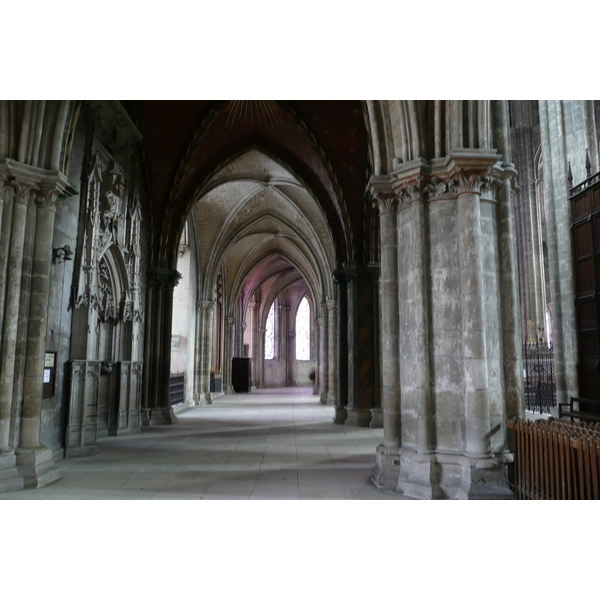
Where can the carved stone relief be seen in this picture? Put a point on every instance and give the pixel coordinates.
(112, 220)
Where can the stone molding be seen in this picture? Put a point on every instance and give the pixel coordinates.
(50, 186)
(159, 277)
(461, 172)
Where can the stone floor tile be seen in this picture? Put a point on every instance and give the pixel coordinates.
(270, 444)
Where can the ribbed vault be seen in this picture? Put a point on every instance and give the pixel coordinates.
(255, 219)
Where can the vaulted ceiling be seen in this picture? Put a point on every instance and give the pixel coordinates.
(323, 143)
(254, 221)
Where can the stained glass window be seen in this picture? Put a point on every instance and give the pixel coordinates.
(303, 331)
(270, 334)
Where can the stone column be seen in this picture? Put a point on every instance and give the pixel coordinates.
(318, 329)
(243, 328)
(35, 461)
(361, 358)
(261, 357)
(477, 433)
(148, 384)
(324, 353)
(557, 139)
(13, 254)
(291, 357)
(377, 410)
(387, 468)
(450, 353)
(338, 351)
(6, 205)
(208, 328)
(509, 292)
(229, 354)
(161, 283)
(204, 321)
(255, 353)
(199, 354)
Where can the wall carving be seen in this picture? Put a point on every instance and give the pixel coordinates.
(112, 224)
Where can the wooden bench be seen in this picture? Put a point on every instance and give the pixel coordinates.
(569, 410)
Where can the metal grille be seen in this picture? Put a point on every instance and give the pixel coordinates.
(538, 373)
(176, 388)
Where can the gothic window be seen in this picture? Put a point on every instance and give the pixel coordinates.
(270, 334)
(303, 331)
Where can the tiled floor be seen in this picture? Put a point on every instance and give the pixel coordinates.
(270, 444)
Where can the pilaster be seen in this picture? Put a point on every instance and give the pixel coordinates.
(33, 194)
(387, 467)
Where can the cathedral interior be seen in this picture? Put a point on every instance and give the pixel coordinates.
(313, 300)
(390, 258)
(320, 300)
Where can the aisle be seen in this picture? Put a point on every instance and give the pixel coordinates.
(270, 444)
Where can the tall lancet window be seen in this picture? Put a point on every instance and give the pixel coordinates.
(303, 331)
(270, 334)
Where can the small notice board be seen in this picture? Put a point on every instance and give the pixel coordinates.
(49, 374)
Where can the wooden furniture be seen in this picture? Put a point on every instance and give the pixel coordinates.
(585, 409)
(556, 460)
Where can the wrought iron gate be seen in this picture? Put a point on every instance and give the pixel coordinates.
(538, 372)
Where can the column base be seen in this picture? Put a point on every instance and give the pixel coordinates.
(486, 479)
(376, 418)
(387, 467)
(80, 451)
(330, 399)
(420, 476)
(10, 478)
(36, 466)
(114, 432)
(203, 399)
(158, 416)
(359, 417)
(455, 477)
(340, 416)
(323, 398)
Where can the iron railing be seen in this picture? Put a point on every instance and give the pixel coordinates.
(539, 379)
(176, 388)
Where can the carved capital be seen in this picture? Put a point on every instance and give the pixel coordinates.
(385, 199)
(205, 306)
(7, 191)
(386, 203)
(157, 276)
(25, 193)
(47, 198)
(410, 191)
(440, 187)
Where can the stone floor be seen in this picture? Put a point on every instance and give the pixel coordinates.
(270, 444)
